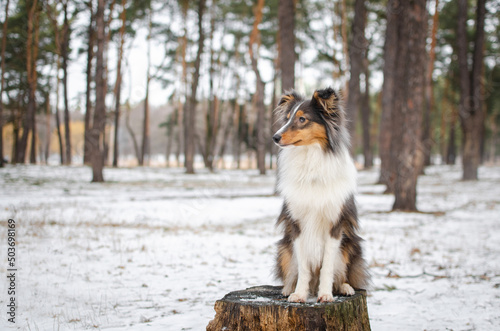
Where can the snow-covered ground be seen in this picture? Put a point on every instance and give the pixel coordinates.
(153, 248)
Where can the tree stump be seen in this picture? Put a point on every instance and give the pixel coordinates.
(265, 308)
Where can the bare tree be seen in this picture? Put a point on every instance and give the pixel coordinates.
(429, 95)
(212, 115)
(146, 150)
(390, 52)
(357, 49)
(97, 132)
(88, 102)
(2, 79)
(471, 97)
(31, 57)
(260, 87)
(118, 84)
(406, 153)
(286, 17)
(189, 113)
(366, 112)
(64, 55)
(345, 47)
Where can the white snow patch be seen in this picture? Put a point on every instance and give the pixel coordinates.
(154, 248)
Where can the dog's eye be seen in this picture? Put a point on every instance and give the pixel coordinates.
(302, 119)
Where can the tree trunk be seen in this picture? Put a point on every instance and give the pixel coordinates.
(118, 86)
(390, 52)
(2, 79)
(242, 132)
(286, 18)
(56, 115)
(451, 152)
(183, 86)
(429, 95)
(345, 47)
(259, 89)
(190, 118)
(406, 153)
(264, 308)
(48, 129)
(365, 116)
(146, 150)
(471, 109)
(15, 138)
(34, 135)
(357, 49)
(171, 119)
(88, 102)
(236, 107)
(97, 131)
(272, 148)
(212, 113)
(31, 48)
(64, 54)
(131, 132)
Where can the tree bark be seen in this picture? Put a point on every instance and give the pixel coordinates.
(211, 123)
(365, 116)
(34, 80)
(190, 118)
(183, 87)
(118, 86)
(56, 115)
(48, 129)
(471, 99)
(97, 131)
(259, 89)
(286, 18)
(451, 152)
(31, 75)
(357, 49)
(64, 54)
(345, 47)
(88, 90)
(171, 119)
(390, 52)
(406, 153)
(264, 308)
(2, 78)
(429, 95)
(131, 132)
(146, 150)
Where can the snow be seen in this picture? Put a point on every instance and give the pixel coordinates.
(153, 248)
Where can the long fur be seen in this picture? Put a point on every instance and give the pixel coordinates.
(320, 251)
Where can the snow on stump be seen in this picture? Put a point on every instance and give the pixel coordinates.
(265, 308)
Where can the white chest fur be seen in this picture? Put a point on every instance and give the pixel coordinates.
(316, 184)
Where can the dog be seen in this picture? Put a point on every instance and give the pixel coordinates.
(320, 252)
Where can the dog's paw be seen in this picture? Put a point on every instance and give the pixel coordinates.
(326, 297)
(297, 297)
(286, 291)
(346, 289)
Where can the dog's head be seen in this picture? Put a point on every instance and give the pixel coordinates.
(319, 120)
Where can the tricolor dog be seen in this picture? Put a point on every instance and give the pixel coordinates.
(320, 253)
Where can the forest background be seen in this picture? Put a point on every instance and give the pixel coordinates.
(193, 83)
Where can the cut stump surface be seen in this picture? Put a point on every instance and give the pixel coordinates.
(265, 308)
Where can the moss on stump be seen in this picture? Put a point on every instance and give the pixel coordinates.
(264, 308)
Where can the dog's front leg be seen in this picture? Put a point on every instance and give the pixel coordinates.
(332, 262)
(302, 289)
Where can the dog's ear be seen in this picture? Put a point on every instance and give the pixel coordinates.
(289, 96)
(327, 100)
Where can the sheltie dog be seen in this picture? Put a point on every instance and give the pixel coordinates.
(320, 253)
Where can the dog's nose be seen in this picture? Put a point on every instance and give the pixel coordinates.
(277, 138)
